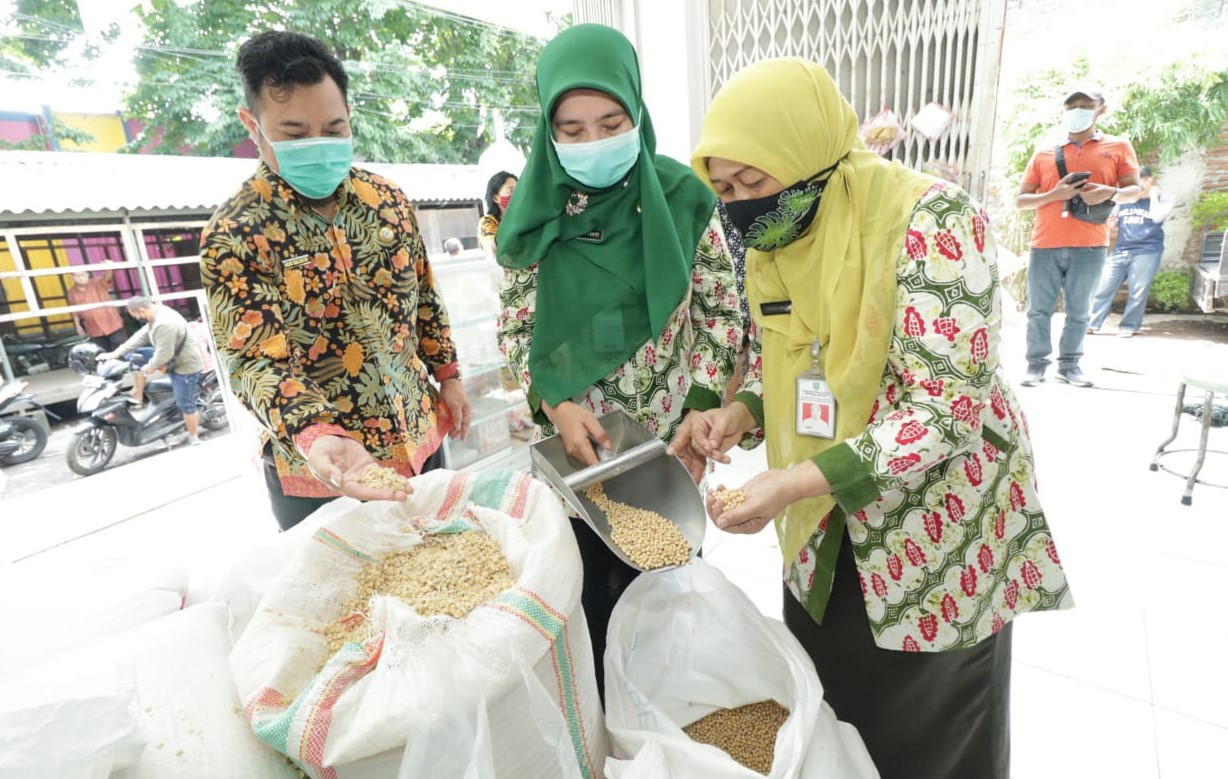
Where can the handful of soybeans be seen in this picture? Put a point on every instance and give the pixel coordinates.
(730, 499)
(381, 478)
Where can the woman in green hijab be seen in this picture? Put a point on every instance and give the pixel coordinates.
(619, 291)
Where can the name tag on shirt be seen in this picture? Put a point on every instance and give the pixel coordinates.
(776, 308)
(816, 406)
(593, 236)
(296, 262)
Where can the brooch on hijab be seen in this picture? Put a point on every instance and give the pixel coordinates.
(577, 203)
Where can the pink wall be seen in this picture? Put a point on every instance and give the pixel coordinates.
(17, 127)
(246, 149)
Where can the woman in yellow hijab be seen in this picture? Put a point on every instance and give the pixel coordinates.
(901, 477)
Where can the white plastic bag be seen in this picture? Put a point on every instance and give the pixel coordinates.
(687, 642)
(650, 763)
(357, 715)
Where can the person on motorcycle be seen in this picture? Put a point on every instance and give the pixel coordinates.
(103, 324)
(175, 352)
(321, 297)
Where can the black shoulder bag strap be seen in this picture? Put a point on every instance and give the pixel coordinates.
(1059, 156)
(170, 364)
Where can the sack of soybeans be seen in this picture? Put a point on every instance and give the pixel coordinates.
(726, 693)
(391, 618)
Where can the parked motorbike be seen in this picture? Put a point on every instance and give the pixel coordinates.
(30, 356)
(112, 420)
(22, 438)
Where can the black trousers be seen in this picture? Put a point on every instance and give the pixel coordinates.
(289, 510)
(923, 715)
(605, 579)
(111, 341)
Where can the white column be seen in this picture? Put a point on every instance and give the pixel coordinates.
(671, 38)
(672, 41)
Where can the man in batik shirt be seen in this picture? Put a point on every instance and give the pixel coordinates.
(321, 299)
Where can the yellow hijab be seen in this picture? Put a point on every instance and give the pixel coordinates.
(787, 118)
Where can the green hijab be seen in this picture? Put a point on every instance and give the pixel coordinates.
(614, 265)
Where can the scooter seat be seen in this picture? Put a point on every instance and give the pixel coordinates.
(159, 386)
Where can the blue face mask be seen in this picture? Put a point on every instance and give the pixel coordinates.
(315, 167)
(600, 164)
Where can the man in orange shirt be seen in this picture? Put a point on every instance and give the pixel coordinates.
(103, 324)
(1068, 252)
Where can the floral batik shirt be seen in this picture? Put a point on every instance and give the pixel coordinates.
(938, 493)
(329, 328)
(686, 366)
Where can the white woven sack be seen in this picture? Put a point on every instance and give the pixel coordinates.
(355, 716)
(171, 711)
(78, 605)
(687, 642)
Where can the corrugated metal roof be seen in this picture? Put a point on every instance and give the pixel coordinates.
(33, 182)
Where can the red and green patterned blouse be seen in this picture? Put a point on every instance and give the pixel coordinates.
(329, 327)
(938, 493)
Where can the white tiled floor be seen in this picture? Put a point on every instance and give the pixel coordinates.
(1062, 728)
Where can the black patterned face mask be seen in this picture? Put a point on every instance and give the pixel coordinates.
(772, 222)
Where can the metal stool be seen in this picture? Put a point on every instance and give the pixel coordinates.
(1211, 388)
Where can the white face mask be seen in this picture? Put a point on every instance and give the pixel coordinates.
(1079, 119)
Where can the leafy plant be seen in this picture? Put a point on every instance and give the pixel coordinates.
(1207, 206)
(1171, 110)
(1170, 289)
(1164, 113)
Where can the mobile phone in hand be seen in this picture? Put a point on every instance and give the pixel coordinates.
(1078, 178)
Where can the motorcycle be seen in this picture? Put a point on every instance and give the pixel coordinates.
(22, 439)
(112, 420)
(40, 356)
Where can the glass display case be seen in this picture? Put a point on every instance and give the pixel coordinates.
(501, 423)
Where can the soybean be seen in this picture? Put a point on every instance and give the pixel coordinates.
(730, 499)
(447, 574)
(381, 478)
(648, 539)
(747, 734)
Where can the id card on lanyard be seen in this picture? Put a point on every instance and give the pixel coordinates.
(816, 405)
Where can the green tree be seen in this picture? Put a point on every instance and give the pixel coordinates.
(37, 33)
(423, 84)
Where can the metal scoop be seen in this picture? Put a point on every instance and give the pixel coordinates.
(635, 470)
